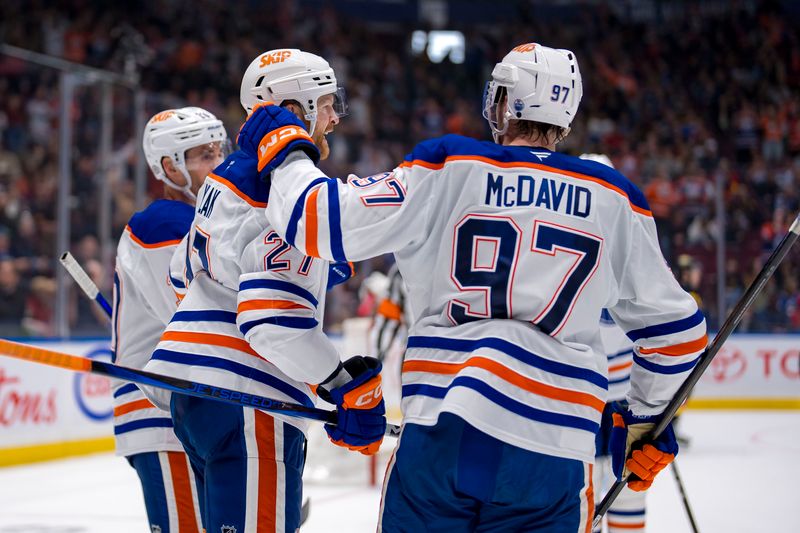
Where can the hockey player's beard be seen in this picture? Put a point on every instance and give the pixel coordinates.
(322, 143)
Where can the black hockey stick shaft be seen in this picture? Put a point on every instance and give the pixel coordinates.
(684, 498)
(733, 320)
(182, 386)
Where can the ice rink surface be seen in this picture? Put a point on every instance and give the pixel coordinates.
(740, 470)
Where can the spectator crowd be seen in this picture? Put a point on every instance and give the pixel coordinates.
(681, 104)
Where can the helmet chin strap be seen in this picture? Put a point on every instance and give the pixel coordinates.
(312, 121)
(185, 189)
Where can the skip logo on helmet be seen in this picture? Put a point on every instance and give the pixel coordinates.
(279, 56)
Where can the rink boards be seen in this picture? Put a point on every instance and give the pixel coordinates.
(47, 412)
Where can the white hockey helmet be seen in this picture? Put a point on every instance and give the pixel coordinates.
(291, 74)
(173, 131)
(598, 158)
(542, 84)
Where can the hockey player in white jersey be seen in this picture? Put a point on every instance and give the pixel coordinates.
(627, 513)
(244, 283)
(509, 250)
(181, 147)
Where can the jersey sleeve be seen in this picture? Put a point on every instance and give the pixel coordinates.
(178, 278)
(328, 218)
(280, 308)
(666, 326)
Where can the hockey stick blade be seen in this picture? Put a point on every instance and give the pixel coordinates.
(83, 280)
(725, 331)
(75, 363)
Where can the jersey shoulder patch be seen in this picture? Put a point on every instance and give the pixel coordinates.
(161, 222)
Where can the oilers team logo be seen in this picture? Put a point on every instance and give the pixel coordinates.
(519, 105)
(92, 392)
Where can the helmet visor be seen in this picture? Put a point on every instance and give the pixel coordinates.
(207, 156)
(340, 102)
(493, 94)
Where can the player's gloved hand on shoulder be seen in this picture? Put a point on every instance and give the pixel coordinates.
(271, 133)
(629, 453)
(339, 272)
(355, 388)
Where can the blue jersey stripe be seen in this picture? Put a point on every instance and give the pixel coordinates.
(667, 328)
(508, 348)
(177, 283)
(245, 371)
(125, 389)
(298, 210)
(143, 424)
(623, 353)
(205, 316)
(279, 285)
(635, 512)
(335, 221)
(620, 380)
(503, 401)
(295, 322)
(664, 369)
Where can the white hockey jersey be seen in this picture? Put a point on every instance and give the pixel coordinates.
(248, 294)
(619, 352)
(143, 304)
(538, 242)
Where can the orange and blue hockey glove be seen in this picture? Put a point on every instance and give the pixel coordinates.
(355, 389)
(644, 459)
(270, 134)
(339, 272)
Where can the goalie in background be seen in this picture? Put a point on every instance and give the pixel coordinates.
(181, 147)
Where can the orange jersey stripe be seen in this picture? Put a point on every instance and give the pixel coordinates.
(130, 407)
(509, 375)
(537, 166)
(143, 244)
(213, 339)
(621, 366)
(312, 227)
(679, 349)
(235, 190)
(181, 487)
(622, 525)
(267, 473)
(252, 305)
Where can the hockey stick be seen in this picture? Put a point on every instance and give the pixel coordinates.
(84, 281)
(91, 290)
(725, 331)
(684, 498)
(182, 386)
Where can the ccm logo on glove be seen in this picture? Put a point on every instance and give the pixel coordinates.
(369, 399)
(271, 144)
